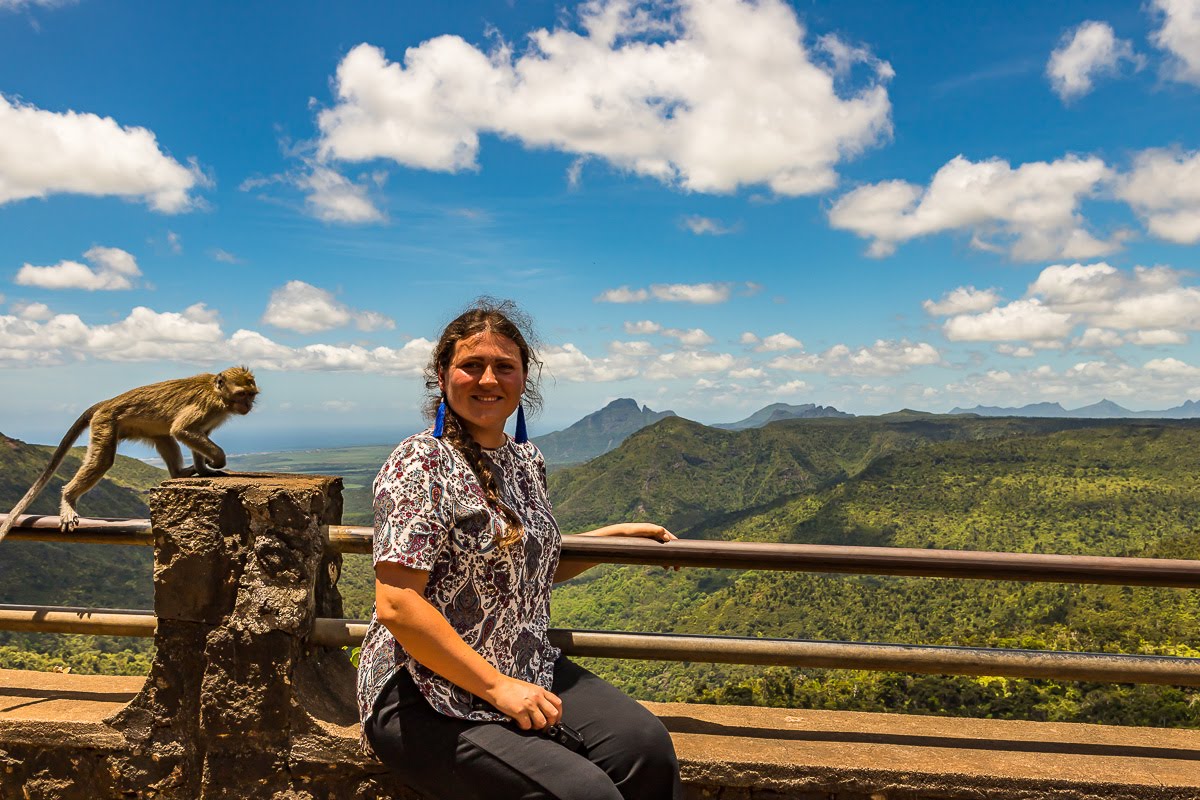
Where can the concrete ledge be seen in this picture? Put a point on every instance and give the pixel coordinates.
(727, 752)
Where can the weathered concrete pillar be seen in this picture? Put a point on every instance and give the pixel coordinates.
(240, 573)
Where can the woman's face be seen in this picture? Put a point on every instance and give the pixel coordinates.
(483, 384)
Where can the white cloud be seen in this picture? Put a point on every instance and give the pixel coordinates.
(709, 95)
(689, 363)
(37, 312)
(17, 5)
(1151, 304)
(705, 225)
(642, 327)
(698, 293)
(45, 152)
(1019, 320)
(1091, 50)
(112, 269)
(1158, 336)
(1179, 35)
(748, 338)
(224, 256)
(1164, 189)
(623, 294)
(192, 336)
(1099, 339)
(174, 242)
(569, 363)
(1016, 351)
(304, 308)
(1031, 211)
(777, 342)
(637, 349)
(694, 337)
(792, 387)
(963, 300)
(882, 358)
(333, 197)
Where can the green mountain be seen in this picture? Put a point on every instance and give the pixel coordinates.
(73, 574)
(691, 477)
(598, 432)
(1105, 489)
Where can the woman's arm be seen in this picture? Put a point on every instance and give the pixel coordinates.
(644, 530)
(425, 634)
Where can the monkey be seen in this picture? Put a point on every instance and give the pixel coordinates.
(185, 409)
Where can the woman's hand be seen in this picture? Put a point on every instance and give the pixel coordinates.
(529, 705)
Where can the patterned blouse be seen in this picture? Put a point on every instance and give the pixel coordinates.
(431, 515)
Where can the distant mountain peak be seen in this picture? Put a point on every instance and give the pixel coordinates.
(598, 432)
(781, 411)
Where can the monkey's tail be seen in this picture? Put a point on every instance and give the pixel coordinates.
(56, 460)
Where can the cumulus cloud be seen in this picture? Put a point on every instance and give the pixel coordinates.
(1032, 211)
(1163, 187)
(1083, 382)
(193, 336)
(1179, 35)
(705, 226)
(642, 327)
(38, 312)
(884, 357)
(963, 300)
(695, 337)
(112, 269)
(689, 363)
(774, 343)
(1091, 50)
(1019, 320)
(699, 293)
(1145, 306)
(224, 256)
(567, 362)
(304, 308)
(661, 89)
(45, 152)
(333, 197)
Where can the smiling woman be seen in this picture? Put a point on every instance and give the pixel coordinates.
(460, 690)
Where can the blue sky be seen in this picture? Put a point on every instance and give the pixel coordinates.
(707, 205)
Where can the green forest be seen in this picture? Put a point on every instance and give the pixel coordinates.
(1094, 487)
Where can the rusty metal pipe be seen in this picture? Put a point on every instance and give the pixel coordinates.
(44, 528)
(1101, 667)
(1176, 573)
(62, 619)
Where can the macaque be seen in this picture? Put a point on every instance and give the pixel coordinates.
(187, 410)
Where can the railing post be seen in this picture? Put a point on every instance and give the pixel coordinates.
(240, 572)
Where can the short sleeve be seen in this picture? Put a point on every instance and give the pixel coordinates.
(413, 504)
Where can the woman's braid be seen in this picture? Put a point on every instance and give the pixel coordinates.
(479, 462)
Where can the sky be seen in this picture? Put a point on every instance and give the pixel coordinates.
(705, 205)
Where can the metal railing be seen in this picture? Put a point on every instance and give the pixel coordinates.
(1102, 667)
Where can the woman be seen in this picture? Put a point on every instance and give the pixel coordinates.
(458, 684)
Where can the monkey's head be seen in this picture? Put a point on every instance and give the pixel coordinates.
(237, 389)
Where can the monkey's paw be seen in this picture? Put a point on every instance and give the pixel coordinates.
(68, 520)
(209, 472)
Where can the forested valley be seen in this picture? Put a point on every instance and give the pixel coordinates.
(1094, 487)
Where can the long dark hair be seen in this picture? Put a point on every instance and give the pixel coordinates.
(501, 317)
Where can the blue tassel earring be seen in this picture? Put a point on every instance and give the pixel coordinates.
(522, 435)
(439, 424)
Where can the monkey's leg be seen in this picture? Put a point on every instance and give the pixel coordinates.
(168, 450)
(101, 453)
(203, 469)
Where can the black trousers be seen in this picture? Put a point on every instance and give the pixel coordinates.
(627, 752)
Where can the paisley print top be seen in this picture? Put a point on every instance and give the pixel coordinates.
(430, 514)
